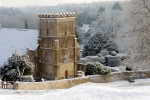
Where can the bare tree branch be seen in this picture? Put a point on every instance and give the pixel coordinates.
(144, 2)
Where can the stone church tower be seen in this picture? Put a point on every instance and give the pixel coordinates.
(57, 51)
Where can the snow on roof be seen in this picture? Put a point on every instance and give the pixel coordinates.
(16, 39)
(85, 28)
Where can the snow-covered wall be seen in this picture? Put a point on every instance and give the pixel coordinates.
(16, 39)
(68, 83)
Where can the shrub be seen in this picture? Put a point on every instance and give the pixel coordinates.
(96, 68)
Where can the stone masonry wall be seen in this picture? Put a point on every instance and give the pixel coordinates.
(68, 83)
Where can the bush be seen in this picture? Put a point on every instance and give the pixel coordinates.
(15, 67)
(97, 43)
(96, 68)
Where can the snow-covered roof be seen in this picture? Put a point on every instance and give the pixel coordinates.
(16, 39)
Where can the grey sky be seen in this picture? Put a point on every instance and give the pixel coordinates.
(18, 3)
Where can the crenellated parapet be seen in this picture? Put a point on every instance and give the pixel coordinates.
(57, 15)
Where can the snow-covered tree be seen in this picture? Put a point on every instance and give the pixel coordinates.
(117, 6)
(138, 34)
(100, 11)
(97, 43)
(15, 67)
(108, 22)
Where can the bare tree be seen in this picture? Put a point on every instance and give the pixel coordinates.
(138, 32)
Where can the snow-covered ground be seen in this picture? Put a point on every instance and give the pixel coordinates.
(16, 39)
(121, 90)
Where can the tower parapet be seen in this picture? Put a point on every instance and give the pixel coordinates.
(57, 15)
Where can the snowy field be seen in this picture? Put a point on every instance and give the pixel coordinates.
(121, 90)
(16, 39)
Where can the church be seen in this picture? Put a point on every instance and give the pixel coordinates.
(56, 55)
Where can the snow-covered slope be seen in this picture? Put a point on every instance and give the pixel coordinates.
(16, 39)
(121, 90)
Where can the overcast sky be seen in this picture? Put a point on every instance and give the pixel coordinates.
(18, 3)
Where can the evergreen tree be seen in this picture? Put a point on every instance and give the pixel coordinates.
(97, 43)
(117, 6)
(25, 25)
(101, 10)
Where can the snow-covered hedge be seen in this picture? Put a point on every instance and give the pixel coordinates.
(93, 68)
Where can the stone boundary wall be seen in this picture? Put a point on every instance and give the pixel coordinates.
(68, 83)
